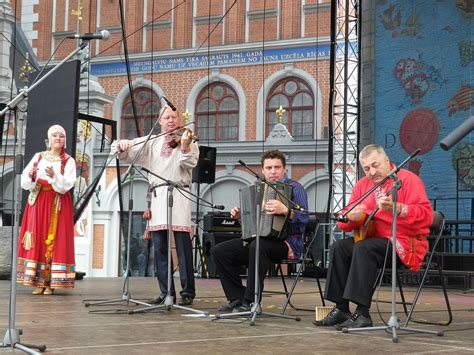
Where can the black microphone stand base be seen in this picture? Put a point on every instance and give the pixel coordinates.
(12, 339)
(169, 300)
(126, 298)
(167, 305)
(255, 311)
(393, 327)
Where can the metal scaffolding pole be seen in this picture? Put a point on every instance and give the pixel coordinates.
(344, 99)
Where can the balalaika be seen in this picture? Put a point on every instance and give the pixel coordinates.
(271, 226)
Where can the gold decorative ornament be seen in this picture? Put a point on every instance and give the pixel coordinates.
(280, 112)
(26, 69)
(77, 13)
(86, 128)
(186, 116)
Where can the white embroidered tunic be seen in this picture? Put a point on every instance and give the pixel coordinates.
(61, 183)
(171, 164)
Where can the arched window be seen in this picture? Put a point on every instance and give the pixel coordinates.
(217, 113)
(297, 98)
(147, 105)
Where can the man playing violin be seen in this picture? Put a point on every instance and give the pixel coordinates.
(173, 159)
(353, 266)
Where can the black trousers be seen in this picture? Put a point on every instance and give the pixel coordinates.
(184, 249)
(231, 255)
(353, 269)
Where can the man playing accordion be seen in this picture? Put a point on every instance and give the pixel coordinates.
(231, 255)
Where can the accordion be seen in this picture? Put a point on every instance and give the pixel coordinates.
(270, 225)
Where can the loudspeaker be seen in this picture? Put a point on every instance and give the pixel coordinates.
(205, 170)
(209, 240)
(53, 101)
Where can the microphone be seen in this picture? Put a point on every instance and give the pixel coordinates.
(218, 207)
(168, 102)
(253, 172)
(104, 34)
(339, 219)
(459, 133)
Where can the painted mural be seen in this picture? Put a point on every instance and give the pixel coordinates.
(424, 90)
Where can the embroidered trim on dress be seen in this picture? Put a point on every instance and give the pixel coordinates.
(50, 157)
(403, 210)
(175, 228)
(166, 150)
(37, 274)
(400, 251)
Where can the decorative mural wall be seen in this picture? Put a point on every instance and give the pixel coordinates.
(424, 55)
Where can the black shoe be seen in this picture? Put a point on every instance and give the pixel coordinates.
(229, 307)
(357, 320)
(185, 301)
(160, 300)
(244, 307)
(334, 317)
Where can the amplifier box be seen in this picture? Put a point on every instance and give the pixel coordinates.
(209, 240)
(220, 222)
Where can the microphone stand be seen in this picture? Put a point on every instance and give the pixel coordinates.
(12, 336)
(256, 309)
(393, 324)
(169, 302)
(24, 93)
(126, 297)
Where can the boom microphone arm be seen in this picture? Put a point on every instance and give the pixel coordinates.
(457, 134)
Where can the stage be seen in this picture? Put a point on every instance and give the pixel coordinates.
(66, 326)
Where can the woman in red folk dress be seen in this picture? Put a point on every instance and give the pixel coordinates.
(46, 240)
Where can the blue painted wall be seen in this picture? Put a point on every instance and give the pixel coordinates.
(424, 90)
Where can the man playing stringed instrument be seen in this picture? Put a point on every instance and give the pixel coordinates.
(353, 265)
(174, 161)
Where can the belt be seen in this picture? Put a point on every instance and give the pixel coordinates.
(152, 188)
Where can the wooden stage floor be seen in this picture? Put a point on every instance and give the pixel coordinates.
(66, 326)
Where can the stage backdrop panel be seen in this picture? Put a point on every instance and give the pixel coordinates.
(54, 101)
(424, 89)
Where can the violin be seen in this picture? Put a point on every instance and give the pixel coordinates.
(177, 136)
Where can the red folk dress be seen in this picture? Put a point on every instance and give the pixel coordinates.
(46, 240)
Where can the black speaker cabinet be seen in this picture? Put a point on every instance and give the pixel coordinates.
(209, 240)
(205, 170)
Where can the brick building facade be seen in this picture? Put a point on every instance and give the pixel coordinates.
(263, 58)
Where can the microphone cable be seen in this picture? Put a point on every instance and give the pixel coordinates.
(127, 67)
(382, 272)
(48, 61)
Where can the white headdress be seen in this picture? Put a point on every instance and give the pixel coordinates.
(55, 129)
